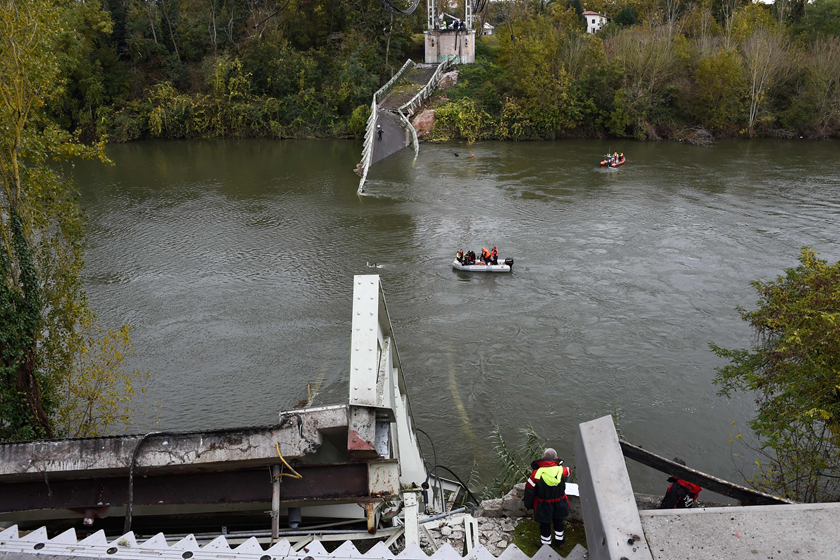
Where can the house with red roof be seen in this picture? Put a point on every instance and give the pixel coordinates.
(594, 21)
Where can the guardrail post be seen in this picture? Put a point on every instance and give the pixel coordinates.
(412, 523)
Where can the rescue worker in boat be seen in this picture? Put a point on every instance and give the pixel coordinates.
(471, 257)
(494, 255)
(545, 493)
(460, 256)
(680, 494)
(485, 255)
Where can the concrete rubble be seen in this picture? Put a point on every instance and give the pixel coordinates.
(448, 79)
(497, 519)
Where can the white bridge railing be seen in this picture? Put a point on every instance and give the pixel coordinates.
(407, 109)
(370, 128)
(404, 111)
(426, 92)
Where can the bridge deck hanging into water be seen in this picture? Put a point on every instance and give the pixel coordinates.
(393, 104)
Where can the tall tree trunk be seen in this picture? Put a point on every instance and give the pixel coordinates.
(388, 44)
(211, 25)
(171, 32)
(151, 19)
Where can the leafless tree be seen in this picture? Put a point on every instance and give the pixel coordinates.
(672, 11)
(705, 28)
(825, 69)
(783, 9)
(727, 9)
(211, 25)
(646, 56)
(765, 61)
(574, 55)
(149, 6)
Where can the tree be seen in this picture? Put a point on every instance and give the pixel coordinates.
(647, 59)
(627, 16)
(822, 17)
(702, 27)
(45, 323)
(794, 370)
(28, 66)
(718, 95)
(765, 58)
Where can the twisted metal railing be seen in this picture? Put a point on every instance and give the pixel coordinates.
(415, 142)
(403, 111)
(426, 91)
(370, 128)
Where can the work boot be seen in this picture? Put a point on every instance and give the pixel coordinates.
(559, 538)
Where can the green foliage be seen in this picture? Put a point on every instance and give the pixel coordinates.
(254, 68)
(296, 69)
(720, 92)
(822, 18)
(514, 464)
(794, 370)
(626, 16)
(358, 120)
(814, 106)
(97, 393)
(721, 68)
(478, 81)
(461, 119)
(43, 310)
(620, 120)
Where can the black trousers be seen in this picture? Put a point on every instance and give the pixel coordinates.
(545, 531)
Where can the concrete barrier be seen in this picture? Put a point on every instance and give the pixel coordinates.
(613, 527)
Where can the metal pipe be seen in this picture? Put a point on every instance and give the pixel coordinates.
(442, 515)
(275, 501)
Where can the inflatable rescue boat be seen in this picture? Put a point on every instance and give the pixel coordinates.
(479, 266)
(614, 163)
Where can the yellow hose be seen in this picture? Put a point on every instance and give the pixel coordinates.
(295, 475)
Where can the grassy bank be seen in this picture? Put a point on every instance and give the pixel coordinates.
(526, 537)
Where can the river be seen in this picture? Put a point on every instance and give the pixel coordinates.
(233, 262)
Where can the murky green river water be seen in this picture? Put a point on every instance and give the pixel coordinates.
(233, 262)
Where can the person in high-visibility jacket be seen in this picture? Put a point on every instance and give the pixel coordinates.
(485, 255)
(545, 493)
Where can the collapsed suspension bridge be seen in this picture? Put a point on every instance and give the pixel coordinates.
(393, 104)
(445, 44)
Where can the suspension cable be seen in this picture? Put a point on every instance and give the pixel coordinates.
(407, 11)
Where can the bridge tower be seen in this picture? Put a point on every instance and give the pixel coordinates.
(447, 35)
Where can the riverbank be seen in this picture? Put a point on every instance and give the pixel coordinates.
(134, 74)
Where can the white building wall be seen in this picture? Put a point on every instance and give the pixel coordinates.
(594, 23)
